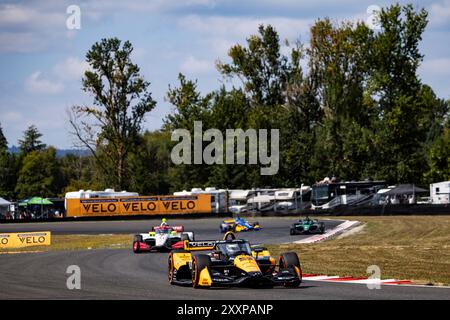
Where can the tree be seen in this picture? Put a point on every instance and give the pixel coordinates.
(121, 100)
(31, 141)
(79, 172)
(9, 166)
(190, 106)
(404, 104)
(260, 66)
(439, 159)
(338, 64)
(150, 163)
(39, 174)
(3, 141)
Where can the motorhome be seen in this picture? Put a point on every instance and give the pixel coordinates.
(219, 201)
(440, 192)
(238, 199)
(329, 195)
(293, 199)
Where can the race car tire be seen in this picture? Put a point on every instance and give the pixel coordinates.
(136, 243)
(322, 228)
(171, 269)
(292, 232)
(290, 260)
(199, 262)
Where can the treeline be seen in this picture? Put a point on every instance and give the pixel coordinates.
(348, 103)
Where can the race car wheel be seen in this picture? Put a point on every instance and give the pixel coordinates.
(171, 269)
(322, 228)
(292, 232)
(136, 243)
(289, 260)
(199, 262)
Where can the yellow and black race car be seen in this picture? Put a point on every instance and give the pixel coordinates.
(232, 262)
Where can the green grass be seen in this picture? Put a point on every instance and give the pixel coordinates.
(80, 242)
(404, 247)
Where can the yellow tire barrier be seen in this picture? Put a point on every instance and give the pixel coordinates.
(25, 239)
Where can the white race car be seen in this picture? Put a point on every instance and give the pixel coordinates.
(161, 238)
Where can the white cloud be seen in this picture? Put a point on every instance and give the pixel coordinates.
(440, 12)
(24, 28)
(231, 27)
(71, 68)
(194, 66)
(36, 84)
(28, 17)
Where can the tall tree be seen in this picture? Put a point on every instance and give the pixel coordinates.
(39, 174)
(110, 127)
(190, 106)
(3, 141)
(403, 102)
(8, 169)
(31, 140)
(260, 66)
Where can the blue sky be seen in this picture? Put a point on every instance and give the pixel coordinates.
(42, 62)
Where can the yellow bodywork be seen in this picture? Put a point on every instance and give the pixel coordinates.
(262, 254)
(204, 278)
(246, 263)
(181, 259)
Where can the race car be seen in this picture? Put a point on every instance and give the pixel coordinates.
(161, 238)
(238, 225)
(307, 226)
(232, 262)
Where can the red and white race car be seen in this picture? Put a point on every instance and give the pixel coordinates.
(161, 238)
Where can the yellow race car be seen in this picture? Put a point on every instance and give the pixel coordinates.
(232, 262)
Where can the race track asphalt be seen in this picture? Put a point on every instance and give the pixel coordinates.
(274, 230)
(120, 274)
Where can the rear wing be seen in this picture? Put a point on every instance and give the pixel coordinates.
(199, 245)
(174, 228)
(206, 245)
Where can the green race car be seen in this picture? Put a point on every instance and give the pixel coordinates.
(307, 226)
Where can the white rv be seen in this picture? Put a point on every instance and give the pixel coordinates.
(440, 192)
(218, 197)
(237, 200)
(290, 199)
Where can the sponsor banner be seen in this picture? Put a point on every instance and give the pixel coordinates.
(144, 205)
(25, 239)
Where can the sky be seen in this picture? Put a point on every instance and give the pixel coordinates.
(42, 60)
